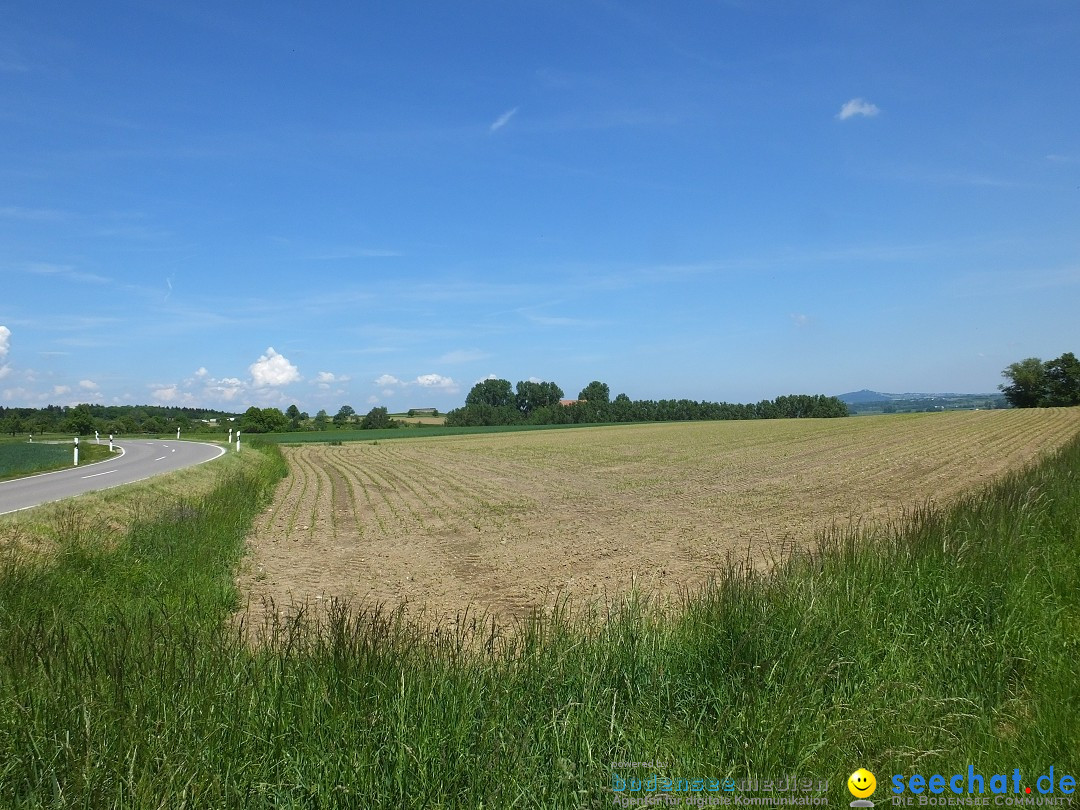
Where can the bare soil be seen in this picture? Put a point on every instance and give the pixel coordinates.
(505, 523)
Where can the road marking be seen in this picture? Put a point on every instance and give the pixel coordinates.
(95, 475)
(160, 459)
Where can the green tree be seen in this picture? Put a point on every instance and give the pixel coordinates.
(1028, 386)
(80, 421)
(322, 419)
(344, 416)
(295, 417)
(1062, 380)
(596, 393)
(376, 419)
(495, 393)
(532, 395)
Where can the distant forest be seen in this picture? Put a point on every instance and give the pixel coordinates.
(495, 402)
(83, 420)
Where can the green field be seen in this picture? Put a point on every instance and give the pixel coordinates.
(413, 432)
(22, 458)
(944, 642)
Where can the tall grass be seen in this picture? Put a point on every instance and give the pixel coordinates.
(947, 641)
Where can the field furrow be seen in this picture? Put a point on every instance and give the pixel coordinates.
(508, 522)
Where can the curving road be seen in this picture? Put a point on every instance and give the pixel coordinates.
(141, 458)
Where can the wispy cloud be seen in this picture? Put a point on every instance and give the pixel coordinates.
(858, 106)
(356, 253)
(65, 271)
(504, 119)
(31, 214)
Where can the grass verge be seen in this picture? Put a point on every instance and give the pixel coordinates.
(945, 642)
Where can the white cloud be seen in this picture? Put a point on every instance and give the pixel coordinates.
(503, 119)
(227, 389)
(88, 385)
(273, 369)
(800, 320)
(202, 372)
(857, 106)
(373, 400)
(438, 381)
(61, 389)
(388, 379)
(324, 379)
(167, 393)
(5, 347)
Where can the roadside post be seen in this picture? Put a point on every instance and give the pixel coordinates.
(76, 451)
(97, 438)
(238, 441)
(178, 433)
(110, 443)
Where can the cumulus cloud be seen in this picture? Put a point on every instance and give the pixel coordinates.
(166, 393)
(503, 119)
(324, 379)
(61, 389)
(5, 347)
(88, 385)
(226, 389)
(446, 384)
(857, 106)
(272, 370)
(388, 379)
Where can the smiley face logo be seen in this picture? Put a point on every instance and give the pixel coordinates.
(861, 783)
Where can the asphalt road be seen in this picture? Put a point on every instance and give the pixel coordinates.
(142, 458)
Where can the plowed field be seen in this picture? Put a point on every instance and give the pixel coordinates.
(507, 522)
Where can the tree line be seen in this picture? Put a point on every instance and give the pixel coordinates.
(497, 402)
(1037, 384)
(84, 419)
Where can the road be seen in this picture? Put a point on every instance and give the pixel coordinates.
(141, 458)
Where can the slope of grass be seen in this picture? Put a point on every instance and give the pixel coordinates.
(948, 641)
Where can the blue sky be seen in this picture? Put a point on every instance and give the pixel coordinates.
(227, 204)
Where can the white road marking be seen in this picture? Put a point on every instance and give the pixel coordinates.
(95, 475)
(160, 459)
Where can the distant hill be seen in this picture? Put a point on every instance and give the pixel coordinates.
(867, 401)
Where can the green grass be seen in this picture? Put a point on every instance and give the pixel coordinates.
(410, 432)
(25, 458)
(948, 641)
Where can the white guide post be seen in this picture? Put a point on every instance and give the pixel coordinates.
(97, 438)
(230, 435)
(76, 451)
(178, 433)
(237, 441)
(110, 443)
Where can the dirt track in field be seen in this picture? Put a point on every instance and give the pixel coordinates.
(508, 522)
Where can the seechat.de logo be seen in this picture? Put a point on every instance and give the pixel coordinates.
(1003, 787)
